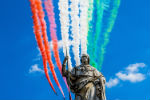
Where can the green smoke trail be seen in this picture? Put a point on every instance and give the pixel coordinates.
(99, 12)
(90, 29)
(111, 20)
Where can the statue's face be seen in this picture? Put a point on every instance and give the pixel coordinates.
(84, 60)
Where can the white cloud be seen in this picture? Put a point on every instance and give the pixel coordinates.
(112, 82)
(131, 74)
(135, 67)
(35, 68)
(132, 77)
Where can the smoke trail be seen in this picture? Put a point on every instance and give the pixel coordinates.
(75, 29)
(90, 30)
(64, 19)
(111, 20)
(51, 16)
(39, 41)
(45, 38)
(99, 12)
(84, 4)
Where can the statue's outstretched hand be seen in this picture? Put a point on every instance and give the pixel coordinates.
(64, 71)
(66, 59)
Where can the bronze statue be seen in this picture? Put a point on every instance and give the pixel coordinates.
(84, 80)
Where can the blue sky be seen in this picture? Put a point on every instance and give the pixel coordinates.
(129, 44)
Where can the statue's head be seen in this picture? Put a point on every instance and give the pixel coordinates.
(85, 59)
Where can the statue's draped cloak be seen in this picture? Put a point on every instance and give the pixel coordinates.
(87, 83)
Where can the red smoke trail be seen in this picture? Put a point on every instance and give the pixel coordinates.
(45, 38)
(51, 17)
(39, 40)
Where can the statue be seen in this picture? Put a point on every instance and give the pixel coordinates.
(84, 80)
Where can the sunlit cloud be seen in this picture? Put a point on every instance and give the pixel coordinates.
(35, 68)
(135, 67)
(132, 77)
(131, 73)
(112, 82)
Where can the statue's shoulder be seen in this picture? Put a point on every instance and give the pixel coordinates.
(78, 68)
(91, 68)
(74, 69)
(96, 72)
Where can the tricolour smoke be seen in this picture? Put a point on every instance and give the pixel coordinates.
(75, 29)
(64, 20)
(45, 38)
(39, 40)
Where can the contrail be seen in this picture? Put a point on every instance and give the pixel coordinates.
(64, 20)
(75, 29)
(45, 38)
(39, 40)
(113, 11)
(84, 4)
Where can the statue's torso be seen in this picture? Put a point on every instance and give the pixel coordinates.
(82, 75)
(82, 81)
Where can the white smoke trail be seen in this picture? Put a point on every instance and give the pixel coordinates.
(75, 29)
(84, 5)
(64, 20)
